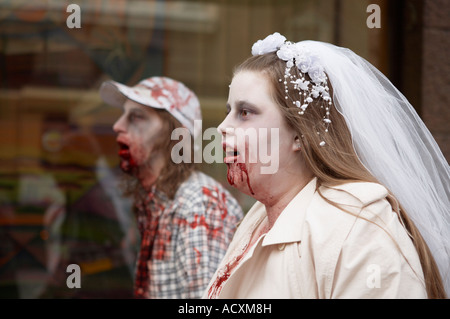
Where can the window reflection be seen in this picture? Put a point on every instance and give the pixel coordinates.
(60, 202)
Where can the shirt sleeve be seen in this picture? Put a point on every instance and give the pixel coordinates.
(210, 221)
(378, 259)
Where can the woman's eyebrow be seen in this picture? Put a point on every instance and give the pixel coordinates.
(242, 104)
(246, 104)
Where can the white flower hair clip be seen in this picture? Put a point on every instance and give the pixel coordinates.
(271, 43)
(296, 54)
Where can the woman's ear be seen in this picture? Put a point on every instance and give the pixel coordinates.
(296, 146)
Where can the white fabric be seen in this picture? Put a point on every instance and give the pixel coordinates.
(315, 250)
(394, 144)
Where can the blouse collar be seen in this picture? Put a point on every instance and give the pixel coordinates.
(287, 227)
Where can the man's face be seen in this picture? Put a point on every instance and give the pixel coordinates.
(138, 132)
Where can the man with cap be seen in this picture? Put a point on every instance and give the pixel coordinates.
(186, 219)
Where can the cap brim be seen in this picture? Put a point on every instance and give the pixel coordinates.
(115, 94)
(111, 94)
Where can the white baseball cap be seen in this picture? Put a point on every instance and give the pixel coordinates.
(159, 93)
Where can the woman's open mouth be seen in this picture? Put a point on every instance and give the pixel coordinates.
(231, 154)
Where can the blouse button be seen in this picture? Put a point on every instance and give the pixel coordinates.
(281, 246)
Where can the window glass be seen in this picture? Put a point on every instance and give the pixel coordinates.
(60, 198)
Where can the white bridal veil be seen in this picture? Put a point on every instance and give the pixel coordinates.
(394, 144)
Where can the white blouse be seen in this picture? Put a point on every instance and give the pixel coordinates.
(316, 250)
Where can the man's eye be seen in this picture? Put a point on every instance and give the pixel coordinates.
(133, 117)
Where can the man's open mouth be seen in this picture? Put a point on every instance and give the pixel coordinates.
(124, 150)
(127, 163)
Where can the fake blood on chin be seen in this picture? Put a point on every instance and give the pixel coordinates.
(236, 167)
(238, 170)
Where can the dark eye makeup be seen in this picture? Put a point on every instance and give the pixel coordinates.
(243, 109)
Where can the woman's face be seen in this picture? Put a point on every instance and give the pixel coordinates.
(137, 135)
(254, 128)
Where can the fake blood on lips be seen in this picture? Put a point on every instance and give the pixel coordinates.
(127, 161)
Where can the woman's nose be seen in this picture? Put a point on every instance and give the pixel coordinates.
(225, 126)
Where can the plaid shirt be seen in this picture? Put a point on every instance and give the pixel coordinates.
(183, 240)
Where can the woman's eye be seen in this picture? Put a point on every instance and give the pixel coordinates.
(241, 113)
(244, 113)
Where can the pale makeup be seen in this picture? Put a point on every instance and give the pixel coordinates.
(251, 105)
(138, 130)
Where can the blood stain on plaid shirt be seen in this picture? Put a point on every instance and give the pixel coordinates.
(183, 240)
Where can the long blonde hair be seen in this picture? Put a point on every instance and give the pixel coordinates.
(337, 163)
